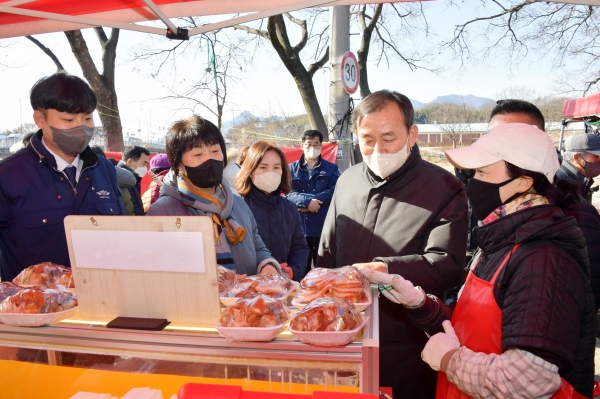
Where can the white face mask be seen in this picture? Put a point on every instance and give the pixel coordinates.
(267, 182)
(140, 170)
(312, 153)
(384, 165)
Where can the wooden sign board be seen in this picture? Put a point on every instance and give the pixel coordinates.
(151, 266)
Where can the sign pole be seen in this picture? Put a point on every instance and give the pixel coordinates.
(339, 27)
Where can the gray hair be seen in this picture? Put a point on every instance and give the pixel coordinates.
(569, 156)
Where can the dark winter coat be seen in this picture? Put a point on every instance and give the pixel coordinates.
(416, 222)
(280, 228)
(134, 192)
(543, 291)
(568, 172)
(35, 198)
(318, 184)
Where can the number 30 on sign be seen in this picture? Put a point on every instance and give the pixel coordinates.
(350, 74)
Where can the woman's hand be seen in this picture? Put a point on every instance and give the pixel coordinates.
(440, 345)
(287, 269)
(269, 270)
(377, 266)
(395, 288)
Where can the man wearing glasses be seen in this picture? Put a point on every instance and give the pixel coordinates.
(313, 182)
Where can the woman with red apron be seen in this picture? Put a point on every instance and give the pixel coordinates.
(523, 326)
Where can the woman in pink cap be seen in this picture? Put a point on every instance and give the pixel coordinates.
(159, 167)
(524, 324)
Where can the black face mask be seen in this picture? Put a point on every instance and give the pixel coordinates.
(485, 197)
(207, 174)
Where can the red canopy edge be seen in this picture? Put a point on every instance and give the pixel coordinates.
(578, 108)
(28, 17)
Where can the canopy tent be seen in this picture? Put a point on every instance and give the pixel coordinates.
(584, 109)
(29, 17)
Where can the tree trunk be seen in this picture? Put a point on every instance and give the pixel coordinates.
(291, 59)
(102, 84)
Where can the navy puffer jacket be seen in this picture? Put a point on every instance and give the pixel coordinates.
(280, 228)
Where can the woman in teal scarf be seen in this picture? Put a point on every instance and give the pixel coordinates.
(195, 186)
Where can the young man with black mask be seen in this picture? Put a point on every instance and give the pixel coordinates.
(56, 175)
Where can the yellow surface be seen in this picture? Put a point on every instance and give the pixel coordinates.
(33, 381)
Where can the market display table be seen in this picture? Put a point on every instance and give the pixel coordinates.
(80, 354)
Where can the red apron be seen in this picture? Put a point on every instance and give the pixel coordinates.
(477, 320)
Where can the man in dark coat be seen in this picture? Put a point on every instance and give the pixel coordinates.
(313, 183)
(56, 175)
(135, 160)
(396, 212)
(581, 162)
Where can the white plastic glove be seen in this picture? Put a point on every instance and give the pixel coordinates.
(395, 288)
(440, 344)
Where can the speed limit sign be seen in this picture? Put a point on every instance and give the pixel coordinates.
(350, 74)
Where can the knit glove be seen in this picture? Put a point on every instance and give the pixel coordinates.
(395, 288)
(440, 344)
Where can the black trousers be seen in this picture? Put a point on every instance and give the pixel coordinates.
(313, 246)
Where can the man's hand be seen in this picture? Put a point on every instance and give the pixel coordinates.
(287, 269)
(314, 205)
(375, 266)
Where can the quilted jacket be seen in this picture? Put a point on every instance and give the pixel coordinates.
(544, 291)
(280, 228)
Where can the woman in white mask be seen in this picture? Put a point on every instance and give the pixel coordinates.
(263, 179)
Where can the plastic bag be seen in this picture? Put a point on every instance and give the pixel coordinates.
(345, 283)
(225, 277)
(8, 289)
(39, 300)
(45, 273)
(327, 314)
(272, 285)
(255, 311)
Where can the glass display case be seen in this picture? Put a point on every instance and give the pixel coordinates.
(80, 354)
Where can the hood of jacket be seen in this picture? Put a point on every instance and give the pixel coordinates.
(544, 222)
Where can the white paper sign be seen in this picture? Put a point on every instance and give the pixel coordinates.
(139, 250)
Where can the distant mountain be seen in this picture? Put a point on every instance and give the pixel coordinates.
(240, 119)
(417, 104)
(469, 100)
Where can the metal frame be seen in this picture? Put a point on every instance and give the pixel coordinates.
(11, 7)
(201, 347)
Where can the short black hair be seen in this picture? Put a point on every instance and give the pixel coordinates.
(113, 161)
(134, 153)
(512, 106)
(64, 93)
(311, 134)
(378, 100)
(186, 134)
(98, 150)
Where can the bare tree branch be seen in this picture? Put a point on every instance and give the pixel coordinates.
(312, 68)
(49, 53)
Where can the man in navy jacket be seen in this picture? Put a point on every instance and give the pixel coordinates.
(56, 175)
(313, 183)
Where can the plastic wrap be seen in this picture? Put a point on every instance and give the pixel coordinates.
(39, 300)
(255, 311)
(344, 283)
(226, 278)
(46, 273)
(327, 314)
(8, 289)
(272, 285)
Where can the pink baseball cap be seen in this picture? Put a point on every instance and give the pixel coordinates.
(523, 145)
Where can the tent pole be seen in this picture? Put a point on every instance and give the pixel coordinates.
(154, 8)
